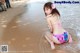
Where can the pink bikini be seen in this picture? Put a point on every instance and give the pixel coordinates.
(62, 37)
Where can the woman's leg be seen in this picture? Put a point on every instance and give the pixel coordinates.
(70, 38)
(53, 38)
(51, 42)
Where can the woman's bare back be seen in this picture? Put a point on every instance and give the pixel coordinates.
(56, 25)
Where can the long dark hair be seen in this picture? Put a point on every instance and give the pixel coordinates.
(49, 5)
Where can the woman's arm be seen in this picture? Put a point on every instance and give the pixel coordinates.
(50, 26)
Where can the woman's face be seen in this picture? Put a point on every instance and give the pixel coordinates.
(48, 11)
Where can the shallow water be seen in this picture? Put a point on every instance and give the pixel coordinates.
(25, 32)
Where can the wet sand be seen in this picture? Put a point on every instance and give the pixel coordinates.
(25, 32)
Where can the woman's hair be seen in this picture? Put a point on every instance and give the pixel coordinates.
(49, 5)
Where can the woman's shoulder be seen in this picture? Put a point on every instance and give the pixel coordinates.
(48, 16)
(53, 17)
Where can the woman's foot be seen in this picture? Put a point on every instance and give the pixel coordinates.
(52, 45)
(70, 39)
